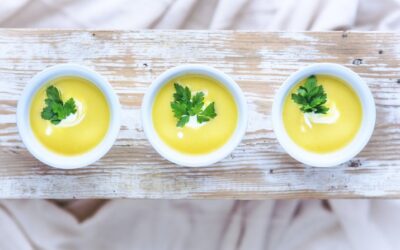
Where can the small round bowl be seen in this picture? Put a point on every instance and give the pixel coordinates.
(360, 140)
(35, 147)
(186, 159)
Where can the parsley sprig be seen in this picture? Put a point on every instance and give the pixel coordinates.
(185, 105)
(311, 97)
(56, 110)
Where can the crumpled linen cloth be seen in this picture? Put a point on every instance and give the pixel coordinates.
(186, 225)
(199, 225)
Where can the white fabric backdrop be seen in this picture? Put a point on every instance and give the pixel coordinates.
(144, 224)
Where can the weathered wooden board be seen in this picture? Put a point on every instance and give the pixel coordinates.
(258, 61)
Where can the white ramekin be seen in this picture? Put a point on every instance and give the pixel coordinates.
(186, 159)
(40, 151)
(360, 140)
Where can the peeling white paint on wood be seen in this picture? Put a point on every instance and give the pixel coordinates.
(258, 61)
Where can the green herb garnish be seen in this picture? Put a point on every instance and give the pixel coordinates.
(185, 105)
(56, 110)
(311, 97)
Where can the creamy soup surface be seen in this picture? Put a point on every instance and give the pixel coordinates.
(79, 132)
(330, 132)
(195, 138)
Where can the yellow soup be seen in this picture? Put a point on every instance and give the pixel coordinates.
(194, 139)
(329, 132)
(79, 132)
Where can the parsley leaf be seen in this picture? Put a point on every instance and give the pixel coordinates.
(183, 120)
(56, 110)
(185, 105)
(207, 114)
(197, 103)
(311, 97)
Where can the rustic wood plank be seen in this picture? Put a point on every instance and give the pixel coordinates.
(258, 61)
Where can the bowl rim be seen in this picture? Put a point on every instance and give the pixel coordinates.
(352, 148)
(173, 155)
(36, 148)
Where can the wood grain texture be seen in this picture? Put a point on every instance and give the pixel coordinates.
(259, 62)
